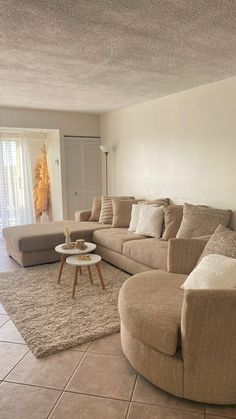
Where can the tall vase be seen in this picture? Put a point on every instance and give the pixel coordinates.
(44, 217)
(68, 241)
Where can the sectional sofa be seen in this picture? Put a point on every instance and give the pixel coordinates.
(34, 244)
(184, 342)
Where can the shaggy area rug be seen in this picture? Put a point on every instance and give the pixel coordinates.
(45, 313)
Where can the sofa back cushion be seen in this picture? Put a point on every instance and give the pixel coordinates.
(96, 208)
(161, 202)
(223, 242)
(173, 215)
(122, 209)
(199, 221)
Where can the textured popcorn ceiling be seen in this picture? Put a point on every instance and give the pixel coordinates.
(99, 55)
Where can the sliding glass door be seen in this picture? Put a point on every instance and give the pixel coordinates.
(16, 195)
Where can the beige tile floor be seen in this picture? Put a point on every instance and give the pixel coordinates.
(92, 381)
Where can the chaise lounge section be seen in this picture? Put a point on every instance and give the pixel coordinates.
(34, 244)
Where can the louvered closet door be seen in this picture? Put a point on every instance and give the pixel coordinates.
(83, 173)
(92, 170)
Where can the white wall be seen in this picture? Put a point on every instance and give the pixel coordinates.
(68, 123)
(181, 146)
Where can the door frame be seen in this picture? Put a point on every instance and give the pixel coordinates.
(64, 182)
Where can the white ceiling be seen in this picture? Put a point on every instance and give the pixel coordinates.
(99, 55)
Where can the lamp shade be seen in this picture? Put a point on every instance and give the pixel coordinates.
(104, 148)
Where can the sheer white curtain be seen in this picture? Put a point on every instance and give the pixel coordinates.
(16, 190)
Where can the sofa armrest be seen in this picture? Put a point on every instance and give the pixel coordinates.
(83, 215)
(183, 254)
(208, 341)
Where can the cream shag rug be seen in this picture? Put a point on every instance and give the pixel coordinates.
(45, 313)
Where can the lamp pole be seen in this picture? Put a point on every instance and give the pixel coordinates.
(106, 174)
(105, 150)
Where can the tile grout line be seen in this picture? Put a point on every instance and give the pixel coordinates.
(131, 397)
(9, 372)
(6, 320)
(65, 391)
(96, 395)
(74, 370)
(102, 353)
(66, 384)
(15, 343)
(32, 385)
(218, 415)
(182, 409)
(55, 404)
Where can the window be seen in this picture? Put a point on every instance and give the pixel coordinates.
(16, 201)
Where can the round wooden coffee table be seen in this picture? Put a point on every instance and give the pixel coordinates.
(77, 263)
(66, 252)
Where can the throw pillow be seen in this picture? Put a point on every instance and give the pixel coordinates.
(106, 213)
(214, 271)
(122, 211)
(96, 208)
(201, 221)
(134, 217)
(173, 215)
(223, 242)
(150, 221)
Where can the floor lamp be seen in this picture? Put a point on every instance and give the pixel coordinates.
(105, 150)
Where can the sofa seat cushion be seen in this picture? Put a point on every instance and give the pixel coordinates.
(151, 252)
(114, 238)
(34, 237)
(150, 308)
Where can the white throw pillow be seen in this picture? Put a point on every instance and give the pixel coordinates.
(150, 221)
(214, 271)
(134, 217)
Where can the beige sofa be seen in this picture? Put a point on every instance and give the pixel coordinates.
(35, 243)
(183, 342)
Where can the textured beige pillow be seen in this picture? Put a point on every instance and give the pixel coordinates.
(200, 221)
(162, 202)
(122, 211)
(96, 208)
(173, 215)
(223, 242)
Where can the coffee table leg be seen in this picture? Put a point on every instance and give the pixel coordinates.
(75, 281)
(63, 258)
(90, 274)
(100, 275)
(80, 270)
